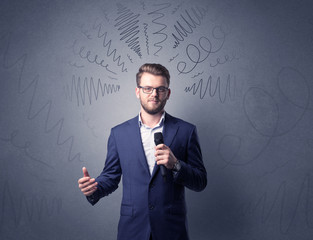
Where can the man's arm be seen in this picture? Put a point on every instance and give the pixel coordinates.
(191, 173)
(107, 182)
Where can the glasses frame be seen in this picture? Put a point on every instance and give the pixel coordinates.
(157, 89)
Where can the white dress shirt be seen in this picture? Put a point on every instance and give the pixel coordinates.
(147, 137)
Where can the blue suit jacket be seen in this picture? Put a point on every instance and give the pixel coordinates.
(150, 205)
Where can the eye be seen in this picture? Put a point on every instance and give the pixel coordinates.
(161, 89)
(147, 89)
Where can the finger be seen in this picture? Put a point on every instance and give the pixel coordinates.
(87, 183)
(90, 192)
(83, 180)
(85, 172)
(89, 188)
(160, 146)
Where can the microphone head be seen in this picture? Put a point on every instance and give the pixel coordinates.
(158, 138)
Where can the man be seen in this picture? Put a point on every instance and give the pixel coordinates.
(151, 207)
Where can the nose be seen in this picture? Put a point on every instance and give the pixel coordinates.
(154, 92)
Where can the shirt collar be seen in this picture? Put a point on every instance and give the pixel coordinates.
(161, 122)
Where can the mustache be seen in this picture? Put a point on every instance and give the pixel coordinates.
(154, 99)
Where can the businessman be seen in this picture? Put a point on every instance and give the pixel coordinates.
(153, 203)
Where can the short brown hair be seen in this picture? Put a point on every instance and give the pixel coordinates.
(155, 69)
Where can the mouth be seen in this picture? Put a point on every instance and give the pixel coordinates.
(153, 100)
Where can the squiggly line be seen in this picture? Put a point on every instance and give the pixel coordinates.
(113, 78)
(75, 65)
(88, 55)
(171, 59)
(130, 59)
(127, 22)
(195, 55)
(88, 89)
(176, 8)
(92, 128)
(35, 208)
(46, 107)
(202, 88)
(192, 23)
(147, 37)
(164, 26)
(287, 215)
(197, 75)
(105, 14)
(143, 5)
(23, 148)
(107, 44)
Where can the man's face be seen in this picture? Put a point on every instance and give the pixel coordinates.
(154, 102)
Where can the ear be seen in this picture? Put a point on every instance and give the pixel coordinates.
(169, 93)
(137, 92)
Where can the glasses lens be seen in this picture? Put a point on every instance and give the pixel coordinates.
(147, 89)
(162, 89)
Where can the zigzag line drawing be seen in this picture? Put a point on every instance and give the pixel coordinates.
(127, 22)
(20, 63)
(147, 37)
(160, 15)
(108, 45)
(87, 89)
(286, 215)
(34, 208)
(202, 88)
(192, 23)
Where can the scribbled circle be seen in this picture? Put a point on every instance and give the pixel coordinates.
(261, 111)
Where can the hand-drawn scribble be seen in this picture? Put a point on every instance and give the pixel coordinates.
(113, 78)
(142, 3)
(107, 44)
(127, 22)
(23, 208)
(26, 85)
(203, 86)
(293, 85)
(192, 22)
(295, 80)
(233, 145)
(130, 59)
(226, 59)
(171, 59)
(88, 89)
(194, 54)
(92, 128)
(159, 14)
(105, 14)
(75, 65)
(147, 37)
(25, 148)
(84, 54)
(177, 8)
(84, 31)
(200, 73)
(264, 115)
(287, 214)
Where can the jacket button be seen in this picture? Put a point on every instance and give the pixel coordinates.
(151, 207)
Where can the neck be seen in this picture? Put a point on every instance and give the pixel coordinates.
(151, 120)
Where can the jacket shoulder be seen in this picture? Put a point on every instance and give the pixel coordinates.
(179, 121)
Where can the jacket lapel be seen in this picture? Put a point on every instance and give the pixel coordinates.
(136, 143)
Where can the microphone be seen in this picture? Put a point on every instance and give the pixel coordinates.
(158, 139)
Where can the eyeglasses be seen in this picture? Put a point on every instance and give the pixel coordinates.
(149, 90)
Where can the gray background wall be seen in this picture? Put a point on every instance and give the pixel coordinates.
(241, 71)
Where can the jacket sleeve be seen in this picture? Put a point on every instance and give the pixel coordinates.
(110, 177)
(192, 173)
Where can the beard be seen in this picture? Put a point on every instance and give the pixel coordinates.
(154, 110)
